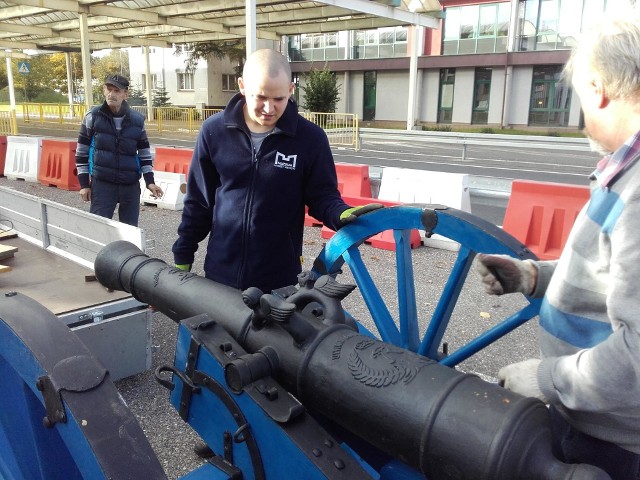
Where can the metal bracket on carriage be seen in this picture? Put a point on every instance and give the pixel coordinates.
(73, 374)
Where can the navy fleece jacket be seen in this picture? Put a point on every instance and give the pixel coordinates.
(251, 204)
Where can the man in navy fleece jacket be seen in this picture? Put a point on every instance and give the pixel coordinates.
(255, 166)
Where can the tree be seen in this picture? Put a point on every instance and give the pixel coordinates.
(321, 91)
(160, 97)
(234, 50)
(116, 61)
(58, 71)
(48, 75)
(136, 96)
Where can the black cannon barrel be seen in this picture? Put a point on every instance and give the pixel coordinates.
(446, 424)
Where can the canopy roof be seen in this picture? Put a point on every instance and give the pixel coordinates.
(55, 25)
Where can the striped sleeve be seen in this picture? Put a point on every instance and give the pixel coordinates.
(146, 158)
(82, 150)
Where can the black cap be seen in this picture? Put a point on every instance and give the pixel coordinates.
(117, 81)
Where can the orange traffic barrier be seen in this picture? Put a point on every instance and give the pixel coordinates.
(383, 240)
(174, 160)
(353, 181)
(3, 153)
(58, 164)
(541, 214)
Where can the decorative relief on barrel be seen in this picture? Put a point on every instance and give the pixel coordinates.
(379, 365)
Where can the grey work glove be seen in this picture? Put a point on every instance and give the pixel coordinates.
(522, 378)
(502, 274)
(350, 214)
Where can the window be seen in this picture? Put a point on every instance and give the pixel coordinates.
(154, 81)
(445, 102)
(318, 46)
(481, 91)
(295, 79)
(384, 42)
(185, 81)
(550, 97)
(229, 83)
(476, 29)
(555, 24)
(183, 47)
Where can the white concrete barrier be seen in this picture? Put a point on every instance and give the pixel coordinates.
(22, 161)
(425, 187)
(174, 186)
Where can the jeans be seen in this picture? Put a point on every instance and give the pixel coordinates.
(105, 196)
(573, 446)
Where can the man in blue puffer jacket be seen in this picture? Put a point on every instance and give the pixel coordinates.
(113, 151)
(255, 166)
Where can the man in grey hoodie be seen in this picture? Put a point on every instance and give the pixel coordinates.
(589, 370)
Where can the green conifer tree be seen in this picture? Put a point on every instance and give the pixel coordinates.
(321, 91)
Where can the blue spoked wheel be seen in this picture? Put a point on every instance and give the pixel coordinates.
(60, 415)
(474, 235)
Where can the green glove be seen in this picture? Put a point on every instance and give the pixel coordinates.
(350, 214)
(184, 266)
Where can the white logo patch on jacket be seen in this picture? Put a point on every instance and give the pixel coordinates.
(284, 161)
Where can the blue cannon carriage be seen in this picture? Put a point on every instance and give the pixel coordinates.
(282, 384)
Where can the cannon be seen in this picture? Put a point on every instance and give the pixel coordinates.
(286, 384)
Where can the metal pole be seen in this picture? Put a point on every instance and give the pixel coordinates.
(67, 56)
(12, 95)
(416, 40)
(250, 26)
(147, 63)
(86, 60)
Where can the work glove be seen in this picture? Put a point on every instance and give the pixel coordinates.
(522, 378)
(186, 267)
(350, 214)
(502, 274)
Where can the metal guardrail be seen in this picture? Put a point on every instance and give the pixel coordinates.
(52, 113)
(175, 119)
(8, 123)
(476, 139)
(342, 129)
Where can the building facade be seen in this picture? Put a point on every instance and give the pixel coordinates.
(210, 85)
(490, 63)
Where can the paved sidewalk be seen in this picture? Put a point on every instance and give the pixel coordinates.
(173, 440)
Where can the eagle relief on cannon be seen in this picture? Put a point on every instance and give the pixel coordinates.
(286, 384)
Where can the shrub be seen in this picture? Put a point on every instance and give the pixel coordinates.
(438, 128)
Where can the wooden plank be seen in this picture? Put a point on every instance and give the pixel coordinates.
(4, 268)
(54, 281)
(7, 234)
(7, 251)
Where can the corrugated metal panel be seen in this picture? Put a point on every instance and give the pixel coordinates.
(25, 23)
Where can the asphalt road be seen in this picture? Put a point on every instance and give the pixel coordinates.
(487, 166)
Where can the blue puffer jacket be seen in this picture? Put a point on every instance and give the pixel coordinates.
(118, 157)
(252, 203)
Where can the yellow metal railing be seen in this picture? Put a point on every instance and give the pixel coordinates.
(52, 113)
(175, 119)
(342, 129)
(8, 123)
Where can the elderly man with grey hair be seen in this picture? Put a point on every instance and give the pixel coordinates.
(589, 371)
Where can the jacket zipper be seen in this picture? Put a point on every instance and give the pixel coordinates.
(247, 211)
